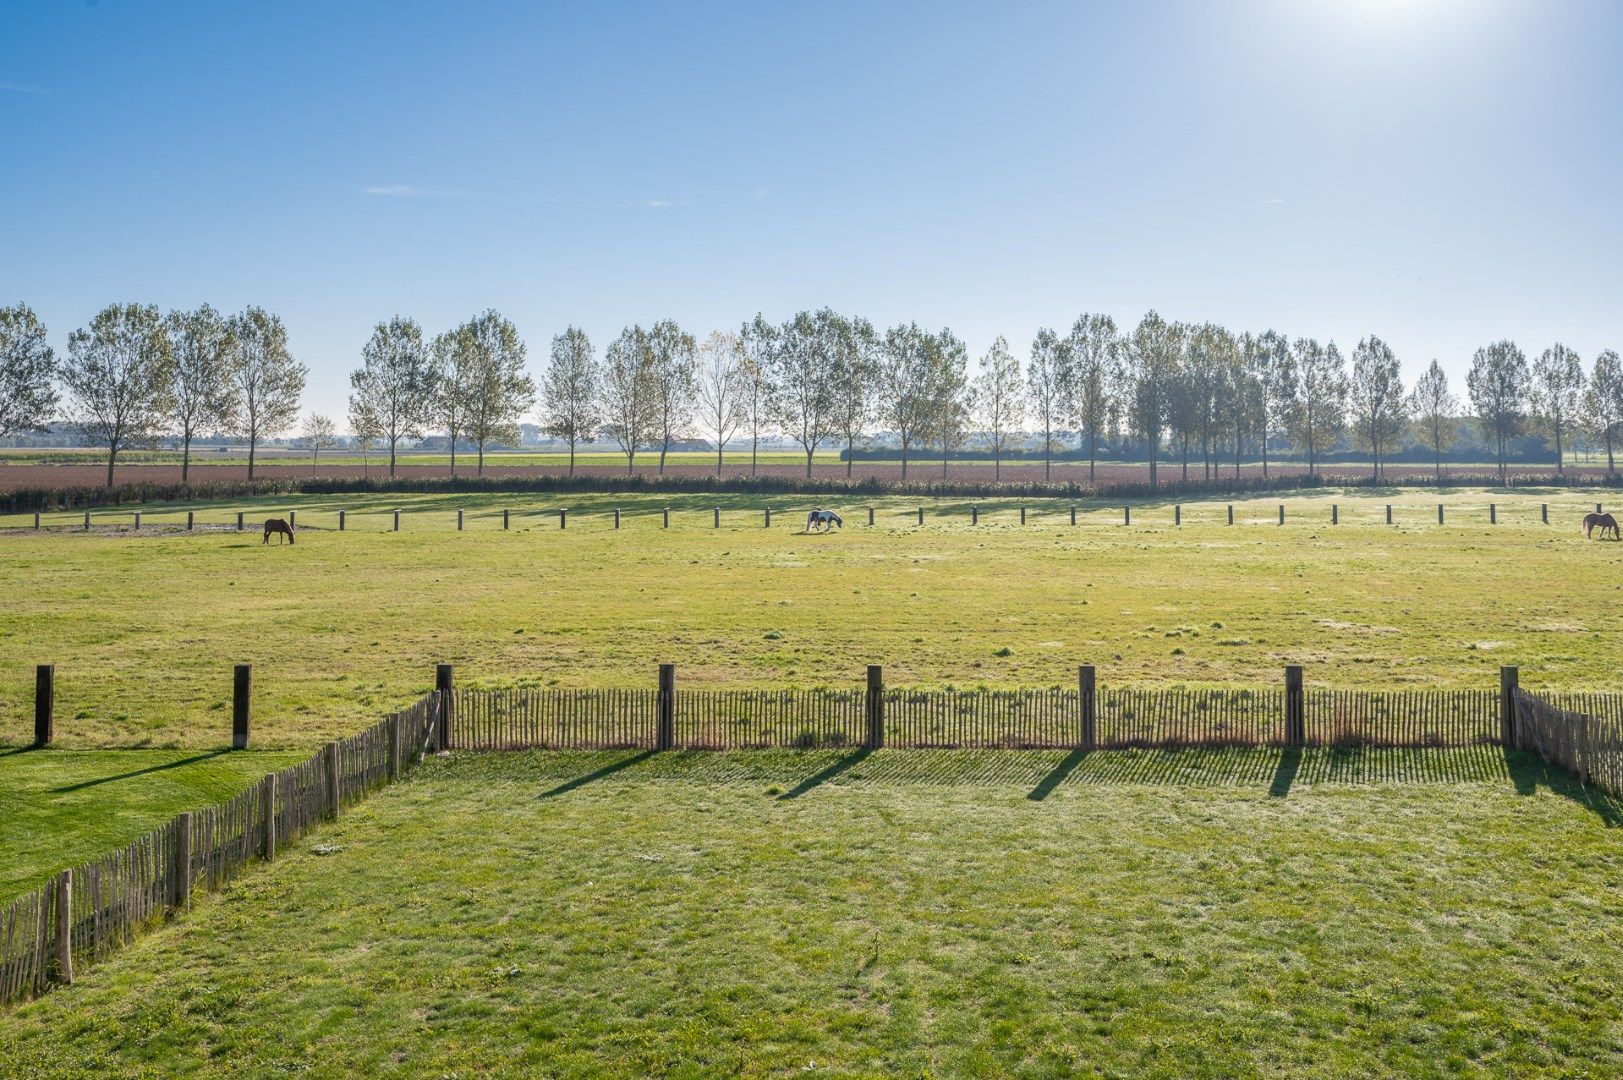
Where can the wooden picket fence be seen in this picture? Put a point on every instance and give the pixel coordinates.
(543, 718)
(1579, 732)
(85, 913)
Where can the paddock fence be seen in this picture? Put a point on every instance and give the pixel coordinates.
(1579, 732)
(85, 913)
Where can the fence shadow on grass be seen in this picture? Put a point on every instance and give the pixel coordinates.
(1529, 772)
(823, 776)
(133, 773)
(599, 773)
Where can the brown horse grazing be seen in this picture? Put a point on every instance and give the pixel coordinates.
(1606, 523)
(278, 525)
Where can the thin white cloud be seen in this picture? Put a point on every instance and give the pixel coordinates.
(760, 194)
(1272, 202)
(657, 204)
(395, 191)
(17, 89)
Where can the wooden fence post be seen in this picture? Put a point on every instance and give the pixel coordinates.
(768, 519)
(1231, 513)
(1073, 515)
(1493, 513)
(875, 707)
(1127, 515)
(1295, 712)
(44, 704)
(505, 519)
(1022, 515)
(292, 518)
(330, 766)
(716, 523)
(1544, 512)
(241, 686)
(239, 521)
(665, 712)
(1335, 514)
(1282, 513)
(397, 521)
(1177, 514)
(138, 519)
(459, 521)
(394, 747)
(340, 521)
(1086, 684)
(870, 515)
(563, 517)
(1509, 682)
(667, 517)
(269, 833)
(1439, 513)
(191, 520)
(444, 680)
(921, 515)
(1598, 510)
(1389, 513)
(36, 521)
(616, 517)
(64, 928)
(87, 521)
(183, 862)
(974, 515)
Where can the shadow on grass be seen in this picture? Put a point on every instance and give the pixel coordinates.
(13, 750)
(1529, 772)
(1057, 777)
(826, 774)
(193, 760)
(597, 774)
(1290, 763)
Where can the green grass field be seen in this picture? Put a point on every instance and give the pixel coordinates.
(905, 913)
(144, 627)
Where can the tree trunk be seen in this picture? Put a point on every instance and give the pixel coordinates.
(1560, 465)
(571, 455)
(664, 447)
(904, 457)
(112, 456)
(392, 440)
(997, 468)
(718, 461)
(480, 471)
(631, 460)
(755, 439)
(1151, 447)
(185, 456)
(453, 453)
(850, 451)
(810, 450)
(253, 441)
(1093, 451)
(1611, 467)
(1048, 454)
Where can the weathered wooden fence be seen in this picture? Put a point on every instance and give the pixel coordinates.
(83, 913)
(1579, 732)
(1086, 717)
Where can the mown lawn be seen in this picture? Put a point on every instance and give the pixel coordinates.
(1222, 914)
(144, 627)
(61, 808)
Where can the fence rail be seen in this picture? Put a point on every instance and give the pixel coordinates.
(525, 718)
(93, 909)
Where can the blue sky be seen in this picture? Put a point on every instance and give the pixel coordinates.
(1440, 173)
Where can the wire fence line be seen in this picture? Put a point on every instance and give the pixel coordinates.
(85, 913)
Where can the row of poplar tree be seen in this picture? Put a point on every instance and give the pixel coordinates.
(1193, 392)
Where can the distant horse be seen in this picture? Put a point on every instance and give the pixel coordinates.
(1606, 523)
(820, 520)
(279, 526)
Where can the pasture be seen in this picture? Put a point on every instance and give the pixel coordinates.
(1197, 913)
(145, 625)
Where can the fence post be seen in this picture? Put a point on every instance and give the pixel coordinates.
(1231, 513)
(1177, 514)
(87, 521)
(921, 515)
(1127, 515)
(1022, 515)
(1493, 513)
(397, 521)
(329, 760)
(716, 523)
(241, 686)
(36, 521)
(64, 928)
(1439, 513)
(191, 520)
(665, 711)
(875, 707)
(138, 519)
(1073, 515)
(459, 521)
(768, 519)
(444, 680)
(1389, 513)
(667, 517)
(870, 515)
(505, 514)
(183, 861)
(974, 515)
(239, 521)
(340, 521)
(1295, 713)
(292, 518)
(563, 517)
(1509, 682)
(1282, 513)
(1598, 510)
(1335, 514)
(1544, 512)
(269, 850)
(1086, 684)
(44, 703)
(394, 747)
